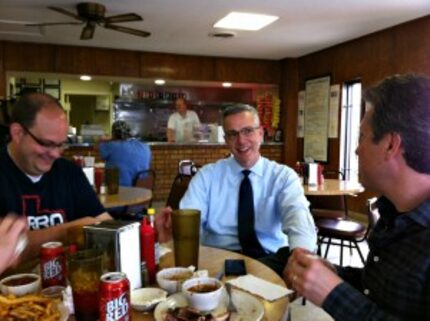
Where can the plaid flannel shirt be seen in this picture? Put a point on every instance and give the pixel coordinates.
(395, 281)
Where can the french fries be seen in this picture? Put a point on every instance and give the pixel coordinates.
(31, 307)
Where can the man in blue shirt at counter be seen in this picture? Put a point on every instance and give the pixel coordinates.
(278, 219)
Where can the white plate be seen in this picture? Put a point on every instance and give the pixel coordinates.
(249, 307)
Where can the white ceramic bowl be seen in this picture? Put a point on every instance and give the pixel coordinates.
(203, 294)
(171, 279)
(20, 284)
(145, 299)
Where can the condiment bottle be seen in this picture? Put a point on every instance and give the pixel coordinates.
(147, 252)
(151, 215)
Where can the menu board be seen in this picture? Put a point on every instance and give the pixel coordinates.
(316, 119)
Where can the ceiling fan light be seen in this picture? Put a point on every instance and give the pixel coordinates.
(85, 78)
(88, 31)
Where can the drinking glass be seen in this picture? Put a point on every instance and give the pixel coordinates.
(85, 270)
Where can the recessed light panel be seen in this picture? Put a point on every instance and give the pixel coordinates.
(245, 21)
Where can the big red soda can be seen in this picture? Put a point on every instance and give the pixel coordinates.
(114, 297)
(53, 264)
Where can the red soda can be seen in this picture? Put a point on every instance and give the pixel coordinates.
(53, 264)
(114, 297)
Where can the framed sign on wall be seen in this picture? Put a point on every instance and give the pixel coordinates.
(316, 119)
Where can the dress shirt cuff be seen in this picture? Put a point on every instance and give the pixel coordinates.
(345, 302)
(307, 243)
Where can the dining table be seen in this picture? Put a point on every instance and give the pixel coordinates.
(333, 187)
(126, 196)
(212, 259)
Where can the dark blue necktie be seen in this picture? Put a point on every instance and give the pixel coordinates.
(247, 237)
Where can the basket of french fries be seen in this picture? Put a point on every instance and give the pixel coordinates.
(30, 307)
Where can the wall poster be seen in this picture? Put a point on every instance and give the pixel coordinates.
(301, 114)
(317, 98)
(334, 111)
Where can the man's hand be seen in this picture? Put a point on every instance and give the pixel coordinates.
(163, 224)
(310, 275)
(11, 228)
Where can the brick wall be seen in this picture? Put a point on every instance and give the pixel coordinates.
(165, 159)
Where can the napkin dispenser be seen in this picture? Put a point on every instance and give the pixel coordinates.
(120, 243)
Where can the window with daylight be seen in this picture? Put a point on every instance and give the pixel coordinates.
(350, 128)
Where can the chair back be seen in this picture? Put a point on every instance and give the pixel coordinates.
(145, 179)
(372, 215)
(178, 189)
(186, 170)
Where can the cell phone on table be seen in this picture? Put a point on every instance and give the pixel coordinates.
(234, 267)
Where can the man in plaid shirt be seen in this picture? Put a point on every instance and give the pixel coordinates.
(394, 156)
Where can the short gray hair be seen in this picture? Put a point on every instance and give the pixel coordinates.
(240, 108)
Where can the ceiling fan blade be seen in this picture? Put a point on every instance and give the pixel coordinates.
(127, 17)
(131, 31)
(52, 24)
(65, 12)
(88, 31)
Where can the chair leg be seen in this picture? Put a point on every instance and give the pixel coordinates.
(328, 246)
(359, 252)
(351, 247)
(341, 252)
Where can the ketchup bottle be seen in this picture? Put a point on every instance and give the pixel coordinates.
(147, 251)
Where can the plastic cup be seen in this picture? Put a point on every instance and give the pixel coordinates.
(112, 180)
(186, 236)
(85, 270)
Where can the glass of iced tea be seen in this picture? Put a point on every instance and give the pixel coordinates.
(85, 270)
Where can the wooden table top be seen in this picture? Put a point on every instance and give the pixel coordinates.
(334, 187)
(126, 196)
(212, 259)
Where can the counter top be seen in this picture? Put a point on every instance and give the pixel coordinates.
(176, 144)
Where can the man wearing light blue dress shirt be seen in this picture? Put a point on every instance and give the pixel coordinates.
(282, 217)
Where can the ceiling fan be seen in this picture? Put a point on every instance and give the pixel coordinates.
(92, 14)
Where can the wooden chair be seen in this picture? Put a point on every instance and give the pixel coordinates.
(145, 179)
(178, 189)
(346, 230)
(186, 170)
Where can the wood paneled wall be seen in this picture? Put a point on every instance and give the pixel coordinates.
(401, 49)
(16, 56)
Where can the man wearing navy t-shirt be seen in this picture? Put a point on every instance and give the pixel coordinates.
(50, 191)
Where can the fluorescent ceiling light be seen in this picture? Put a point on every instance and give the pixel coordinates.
(226, 84)
(159, 82)
(245, 21)
(85, 78)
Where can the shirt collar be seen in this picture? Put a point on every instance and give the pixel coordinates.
(419, 214)
(257, 169)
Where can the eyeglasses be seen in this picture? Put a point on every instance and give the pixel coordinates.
(246, 132)
(44, 143)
